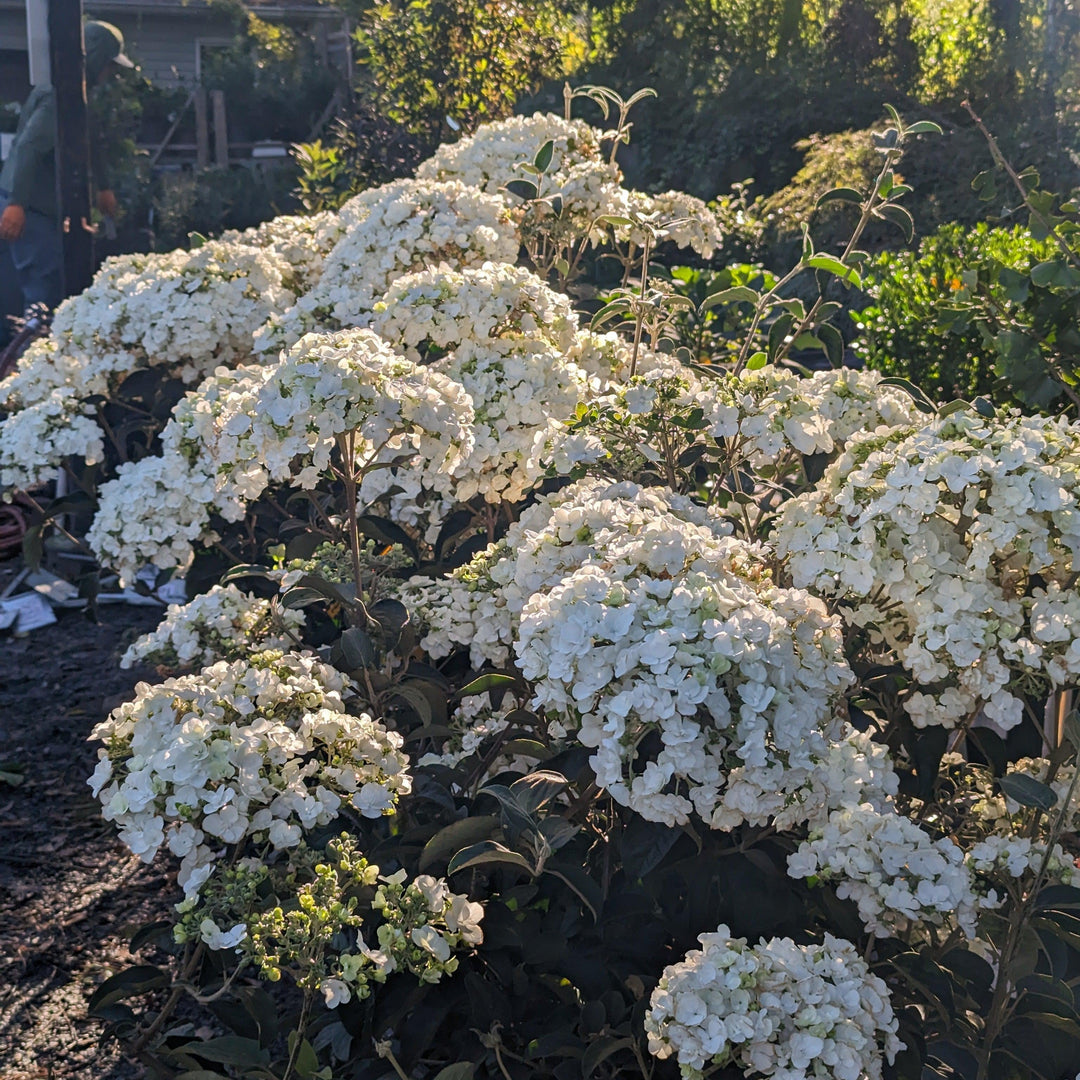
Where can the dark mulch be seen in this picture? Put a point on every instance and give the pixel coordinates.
(69, 892)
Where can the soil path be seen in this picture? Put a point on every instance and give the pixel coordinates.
(69, 892)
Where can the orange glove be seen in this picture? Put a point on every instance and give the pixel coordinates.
(106, 203)
(12, 222)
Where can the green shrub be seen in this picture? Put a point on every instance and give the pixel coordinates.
(441, 66)
(908, 331)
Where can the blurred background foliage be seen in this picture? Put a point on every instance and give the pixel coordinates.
(783, 92)
(761, 106)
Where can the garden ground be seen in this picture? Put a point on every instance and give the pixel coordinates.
(68, 889)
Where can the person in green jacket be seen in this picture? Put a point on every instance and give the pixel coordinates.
(29, 216)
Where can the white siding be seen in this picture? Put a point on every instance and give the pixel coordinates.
(164, 45)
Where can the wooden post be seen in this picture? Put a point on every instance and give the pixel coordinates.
(202, 130)
(68, 62)
(221, 130)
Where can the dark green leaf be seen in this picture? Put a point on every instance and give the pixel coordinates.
(523, 189)
(922, 402)
(735, 295)
(392, 617)
(306, 1062)
(579, 881)
(644, 845)
(542, 162)
(985, 185)
(958, 1058)
(558, 832)
(485, 853)
(959, 405)
(490, 681)
(1058, 898)
(1027, 791)
(454, 836)
(300, 597)
(127, 983)
(778, 332)
(599, 1050)
(354, 650)
(840, 194)
(228, 1050)
(150, 932)
(929, 749)
(538, 788)
(832, 265)
(899, 217)
(462, 1070)
(832, 341)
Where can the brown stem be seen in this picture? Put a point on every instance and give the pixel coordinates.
(641, 315)
(864, 219)
(41, 510)
(301, 1027)
(1001, 160)
(348, 475)
(171, 1002)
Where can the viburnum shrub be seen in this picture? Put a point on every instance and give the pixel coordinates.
(550, 706)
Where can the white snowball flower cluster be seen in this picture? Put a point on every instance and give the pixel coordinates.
(190, 310)
(440, 310)
(518, 394)
(302, 241)
(954, 545)
(282, 423)
(45, 367)
(577, 200)
(37, 439)
(221, 624)
(487, 158)
(187, 311)
(580, 174)
(638, 615)
(900, 879)
(855, 770)
(775, 1009)
(243, 429)
(735, 677)
(153, 511)
(393, 230)
(260, 748)
(1018, 856)
(480, 604)
(678, 218)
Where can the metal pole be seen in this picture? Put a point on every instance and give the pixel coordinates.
(37, 41)
(68, 59)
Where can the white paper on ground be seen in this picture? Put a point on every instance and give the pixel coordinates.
(55, 589)
(31, 612)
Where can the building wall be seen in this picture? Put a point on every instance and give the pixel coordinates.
(165, 46)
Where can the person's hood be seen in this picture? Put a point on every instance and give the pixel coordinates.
(104, 44)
